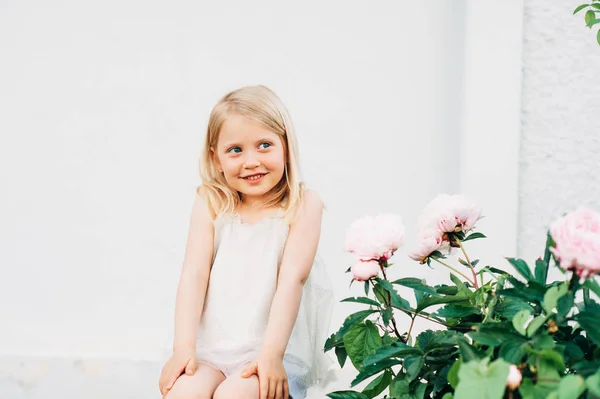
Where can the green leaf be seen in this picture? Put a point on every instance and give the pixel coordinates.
(592, 285)
(401, 388)
(462, 288)
(446, 289)
(589, 17)
(570, 387)
(361, 341)
(469, 353)
(581, 7)
(554, 358)
(588, 320)
(596, 6)
(519, 321)
(453, 373)
(337, 338)
(548, 380)
(513, 350)
(456, 311)
(598, 37)
(341, 354)
(474, 236)
(593, 22)
(397, 349)
(485, 380)
(586, 368)
(541, 271)
(552, 295)
(415, 284)
(362, 299)
(378, 385)
(535, 325)
(396, 300)
(367, 285)
(573, 352)
(564, 306)
(448, 395)
(543, 341)
(347, 395)
(387, 315)
(429, 340)
(373, 369)
(430, 301)
(412, 365)
(593, 383)
(521, 267)
(509, 307)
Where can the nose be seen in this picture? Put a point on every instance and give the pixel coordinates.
(251, 161)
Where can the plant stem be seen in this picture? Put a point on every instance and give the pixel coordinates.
(412, 322)
(469, 262)
(428, 318)
(456, 271)
(389, 304)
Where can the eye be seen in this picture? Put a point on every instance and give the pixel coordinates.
(234, 150)
(264, 145)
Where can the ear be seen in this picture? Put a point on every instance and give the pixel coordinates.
(215, 159)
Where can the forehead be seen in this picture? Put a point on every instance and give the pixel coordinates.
(237, 128)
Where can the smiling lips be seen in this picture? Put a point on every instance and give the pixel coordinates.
(254, 178)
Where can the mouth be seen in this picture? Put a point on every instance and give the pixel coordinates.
(254, 178)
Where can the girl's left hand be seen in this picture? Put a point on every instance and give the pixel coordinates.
(272, 378)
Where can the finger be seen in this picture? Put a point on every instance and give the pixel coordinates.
(279, 390)
(163, 380)
(264, 387)
(272, 389)
(191, 367)
(250, 370)
(172, 378)
(286, 390)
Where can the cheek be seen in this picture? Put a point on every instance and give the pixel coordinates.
(276, 159)
(230, 166)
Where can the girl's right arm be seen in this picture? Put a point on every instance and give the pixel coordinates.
(195, 273)
(191, 293)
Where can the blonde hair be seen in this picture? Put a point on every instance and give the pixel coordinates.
(262, 105)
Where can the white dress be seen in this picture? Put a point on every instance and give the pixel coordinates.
(243, 281)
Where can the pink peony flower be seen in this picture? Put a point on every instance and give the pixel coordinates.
(430, 242)
(450, 213)
(364, 270)
(577, 239)
(374, 238)
(514, 377)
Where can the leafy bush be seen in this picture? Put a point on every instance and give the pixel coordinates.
(502, 334)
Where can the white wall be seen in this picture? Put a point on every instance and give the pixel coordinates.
(102, 113)
(560, 142)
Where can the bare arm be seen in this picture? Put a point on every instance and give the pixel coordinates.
(298, 257)
(194, 277)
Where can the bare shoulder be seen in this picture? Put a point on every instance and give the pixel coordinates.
(311, 209)
(312, 201)
(201, 203)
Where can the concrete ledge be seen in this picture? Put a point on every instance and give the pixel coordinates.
(39, 377)
(28, 377)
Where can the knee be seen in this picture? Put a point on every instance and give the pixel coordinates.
(184, 391)
(235, 392)
(187, 395)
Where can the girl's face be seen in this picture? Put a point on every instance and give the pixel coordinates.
(251, 157)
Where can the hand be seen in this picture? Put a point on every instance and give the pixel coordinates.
(181, 360)
(272, 378)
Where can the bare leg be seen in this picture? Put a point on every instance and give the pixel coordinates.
(201, 385)
(237, 387)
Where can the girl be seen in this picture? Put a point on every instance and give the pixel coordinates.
(253, 308)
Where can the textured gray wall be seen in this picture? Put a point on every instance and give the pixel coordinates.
(560, 142)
